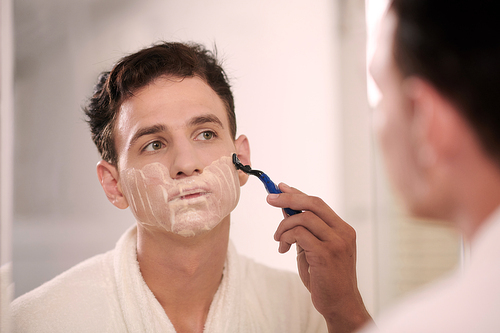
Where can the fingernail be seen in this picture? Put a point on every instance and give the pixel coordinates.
(273, 196)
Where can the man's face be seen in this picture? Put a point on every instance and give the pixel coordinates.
(174, 156)
(393, 121)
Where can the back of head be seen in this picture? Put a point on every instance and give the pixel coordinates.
(139, 69)
(455, 45)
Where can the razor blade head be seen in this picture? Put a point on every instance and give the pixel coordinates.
(236, 161)
(245, 168)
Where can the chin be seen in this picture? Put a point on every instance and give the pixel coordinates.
(190, 233)
(431, 211)
(192, 225)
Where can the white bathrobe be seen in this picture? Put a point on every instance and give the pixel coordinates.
(467, 301)
(107, 293)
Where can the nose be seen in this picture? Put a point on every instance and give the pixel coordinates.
(185, 162)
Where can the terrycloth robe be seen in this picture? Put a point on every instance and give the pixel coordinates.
(107, 293)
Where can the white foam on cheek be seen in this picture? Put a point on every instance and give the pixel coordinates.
(157, 200)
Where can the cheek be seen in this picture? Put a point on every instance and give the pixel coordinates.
(148, 190)
(384, 127)
(391, 125)
(393, 132)
(223, 178)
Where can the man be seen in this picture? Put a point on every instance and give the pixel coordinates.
(438, 69)
(163, 121)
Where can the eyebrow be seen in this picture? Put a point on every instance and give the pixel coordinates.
(203, 119)
(200, 120)
(146, 131)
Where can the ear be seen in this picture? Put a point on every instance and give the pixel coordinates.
(108, 177)
(243, 152)
(436, 123)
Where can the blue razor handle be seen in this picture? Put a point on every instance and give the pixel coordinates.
(272, 188)
(268, 183)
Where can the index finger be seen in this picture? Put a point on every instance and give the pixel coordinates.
(297, 200)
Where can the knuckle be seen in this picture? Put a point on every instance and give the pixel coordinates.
(290, 236)
(307, 215)
(298, 231)
(316, 201)
(318, 259)
(351, 233)
(342, 246)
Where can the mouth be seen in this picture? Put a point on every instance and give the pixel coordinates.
(189, 194)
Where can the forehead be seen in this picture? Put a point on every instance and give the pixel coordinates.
(171, 101)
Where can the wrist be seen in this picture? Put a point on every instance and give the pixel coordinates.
(348, 321)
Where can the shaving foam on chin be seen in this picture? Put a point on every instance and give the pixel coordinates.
(189, 206)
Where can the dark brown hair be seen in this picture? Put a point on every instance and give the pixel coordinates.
(137, 70)
(455, 45)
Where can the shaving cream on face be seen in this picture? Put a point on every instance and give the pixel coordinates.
(188, 206)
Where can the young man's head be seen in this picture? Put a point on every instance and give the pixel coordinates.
(455, 45)
(437, 68)
(163, 120)
(136, 71)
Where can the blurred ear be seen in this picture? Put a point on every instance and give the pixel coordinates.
(108, 177)
(436, 123)
(243, 153)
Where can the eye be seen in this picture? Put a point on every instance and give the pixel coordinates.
(206, 135)
(155, 145)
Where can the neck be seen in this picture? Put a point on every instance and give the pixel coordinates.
(183, 273)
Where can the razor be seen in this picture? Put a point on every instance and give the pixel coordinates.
(268, 183)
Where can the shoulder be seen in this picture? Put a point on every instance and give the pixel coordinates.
(78, 297)
(455, 304)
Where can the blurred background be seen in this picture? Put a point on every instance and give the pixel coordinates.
(298, 71)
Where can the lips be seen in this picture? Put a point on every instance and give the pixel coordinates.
(186, 194)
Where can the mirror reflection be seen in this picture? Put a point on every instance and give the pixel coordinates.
(300, 98)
